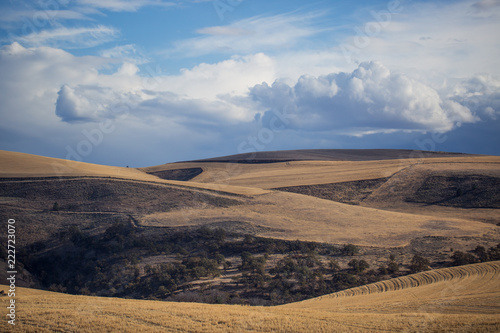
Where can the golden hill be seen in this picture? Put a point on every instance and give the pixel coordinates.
(459, 299)
(384, 219)
(400, 202)
(397, 181)
(294, 216)
(20, 165)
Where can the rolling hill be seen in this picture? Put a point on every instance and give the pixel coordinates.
(455, 299)
(138, 222)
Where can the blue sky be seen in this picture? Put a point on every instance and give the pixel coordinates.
(144, 82)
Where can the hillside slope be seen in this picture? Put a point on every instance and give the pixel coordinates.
(295, 216)
(464, 289)
(328, 155)
(88, 188)
(456, 299)
(21, 166)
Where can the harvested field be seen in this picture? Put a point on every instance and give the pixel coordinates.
(449, 300)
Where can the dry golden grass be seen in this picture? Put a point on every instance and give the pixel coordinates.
(464, 289)
(461, 299)
(298, 173)
(464, 299)
(25, 165)
(405, 176)
(286, 215)
(294, 216)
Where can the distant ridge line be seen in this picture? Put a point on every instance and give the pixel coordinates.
(283, 156)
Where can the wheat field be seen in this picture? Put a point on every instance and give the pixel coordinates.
(458, 299)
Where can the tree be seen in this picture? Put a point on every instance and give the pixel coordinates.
(55, 207)
(350, 250)
(481, 254)
(494, 252)
(358, 266)
(419, 264)
(75, 234)
(462, 258)
(333, 265)
(253, 268)
(392, 267)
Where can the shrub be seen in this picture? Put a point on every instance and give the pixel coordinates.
(392, 267)
(481, 254)
(350, 250)
(462, 258)
(419, 264)
(358, 266)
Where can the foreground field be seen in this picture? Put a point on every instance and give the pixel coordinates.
(459, 299)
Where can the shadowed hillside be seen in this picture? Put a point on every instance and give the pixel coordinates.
(178, 174)
(328, 155)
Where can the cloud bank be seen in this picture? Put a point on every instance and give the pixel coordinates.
(369, 99)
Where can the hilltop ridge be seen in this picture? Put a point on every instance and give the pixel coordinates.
(327, 155)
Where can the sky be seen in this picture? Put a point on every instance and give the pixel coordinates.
(145, 82)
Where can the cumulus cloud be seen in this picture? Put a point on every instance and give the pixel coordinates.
(370, 99)
(52, 95)
(480, 93)
(72, 107)
(83, 104)
(81, 93)
(230, 77)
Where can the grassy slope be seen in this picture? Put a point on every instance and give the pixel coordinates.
(296, 173)
(287, 215)
(294, 216)
(458, 299)
(405, 176)
(21, 165)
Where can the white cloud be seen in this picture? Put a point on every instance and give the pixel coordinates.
(41, 18)
(251, 35)
(70, 38)
(224, 31)
(229, 77)
(74, 107)
(453, 39)
(128, 52)
(368, 100)
(82, 93)
(480, 93)
(51, 95)
(124, 5)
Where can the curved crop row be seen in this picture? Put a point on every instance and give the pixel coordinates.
(425, 278)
